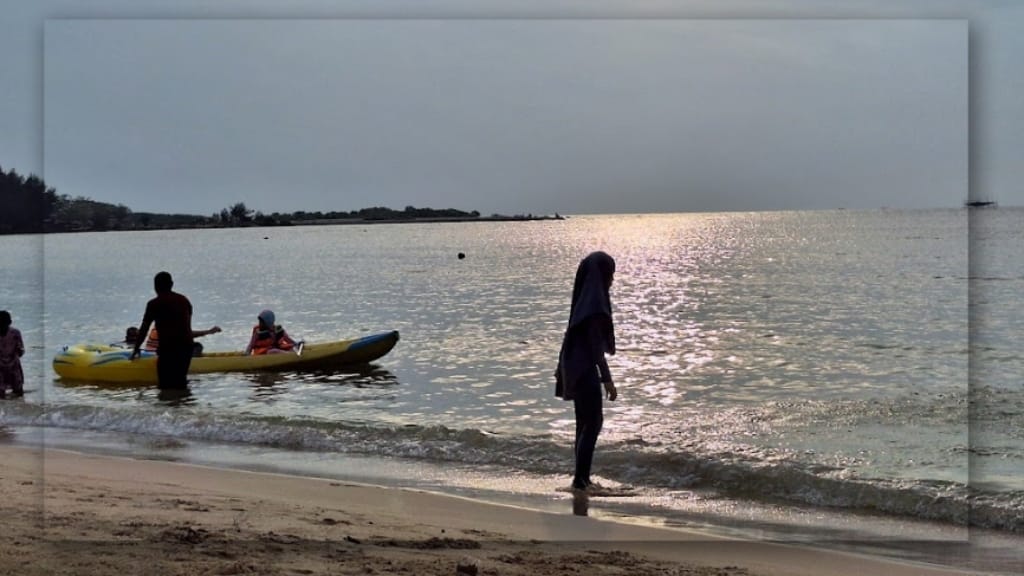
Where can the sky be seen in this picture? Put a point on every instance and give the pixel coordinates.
(517, 107)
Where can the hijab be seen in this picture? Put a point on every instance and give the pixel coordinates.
(589, 300)
(267, 317)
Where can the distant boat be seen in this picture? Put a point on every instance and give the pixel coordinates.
(980, 204)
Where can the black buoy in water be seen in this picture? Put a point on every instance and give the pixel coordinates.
(461, 255)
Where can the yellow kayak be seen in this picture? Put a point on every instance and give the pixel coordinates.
(104, 363)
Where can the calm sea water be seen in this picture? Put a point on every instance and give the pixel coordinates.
(798, 362)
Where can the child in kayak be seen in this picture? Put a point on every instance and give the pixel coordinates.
(268, 337)
(131, 334)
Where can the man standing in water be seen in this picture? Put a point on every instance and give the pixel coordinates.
(172, 313)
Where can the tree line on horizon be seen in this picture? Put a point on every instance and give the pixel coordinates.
(32, 207)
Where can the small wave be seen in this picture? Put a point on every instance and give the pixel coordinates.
(734, 473)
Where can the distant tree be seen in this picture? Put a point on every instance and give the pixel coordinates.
(28, 204)
(240, 214)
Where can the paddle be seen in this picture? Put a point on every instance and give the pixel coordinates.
(298, 347)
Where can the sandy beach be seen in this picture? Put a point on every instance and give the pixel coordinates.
(72, 513)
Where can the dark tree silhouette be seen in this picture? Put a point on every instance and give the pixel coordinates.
(30, 207)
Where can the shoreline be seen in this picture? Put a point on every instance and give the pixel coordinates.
(68, 512)
(317, 222)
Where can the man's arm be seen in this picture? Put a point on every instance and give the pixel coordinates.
(147, 320)
(200, 333)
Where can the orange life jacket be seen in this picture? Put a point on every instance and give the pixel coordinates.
(265, 340)
(152, 341)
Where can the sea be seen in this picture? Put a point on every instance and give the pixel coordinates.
(839, 378)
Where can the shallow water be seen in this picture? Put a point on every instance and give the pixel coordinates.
(812, 359)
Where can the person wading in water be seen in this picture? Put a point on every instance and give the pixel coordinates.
(582, 368)
(172, 314)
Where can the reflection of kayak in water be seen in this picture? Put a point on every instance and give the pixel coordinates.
(103, 363)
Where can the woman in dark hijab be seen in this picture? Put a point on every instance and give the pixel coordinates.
(582, 368)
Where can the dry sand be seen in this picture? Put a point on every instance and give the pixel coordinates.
(70, 513)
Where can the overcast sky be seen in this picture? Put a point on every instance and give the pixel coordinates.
(513, 115)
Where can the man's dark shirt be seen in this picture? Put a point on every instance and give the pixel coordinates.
(172, 313)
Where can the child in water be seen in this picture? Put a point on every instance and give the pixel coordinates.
(11, 350)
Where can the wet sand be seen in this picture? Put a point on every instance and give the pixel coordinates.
(71, 513)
